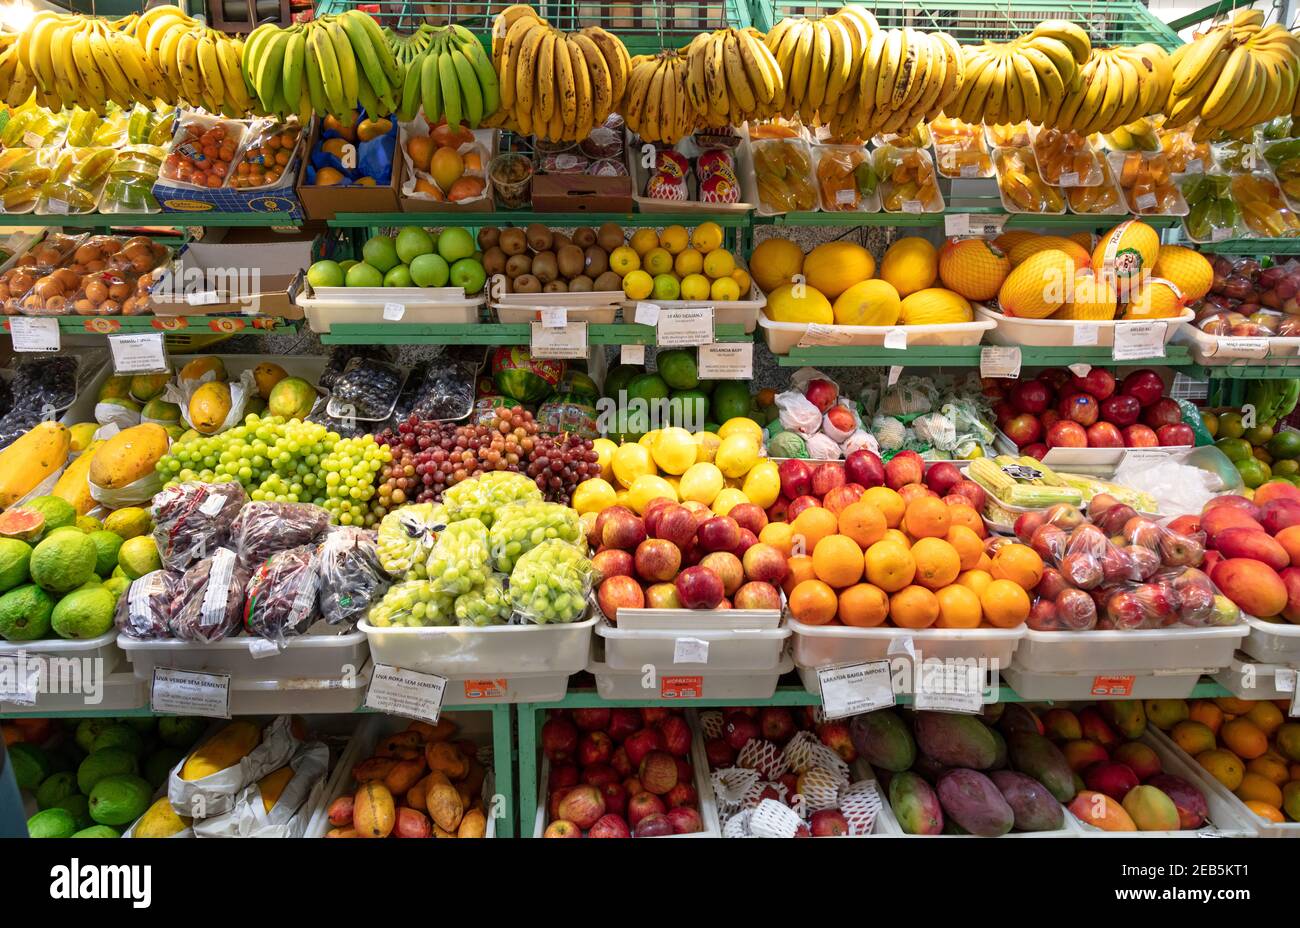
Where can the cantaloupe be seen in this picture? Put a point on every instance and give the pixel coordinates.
(1039, 287)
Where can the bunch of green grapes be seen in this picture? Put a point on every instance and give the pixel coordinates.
(275, 460)
(480, 497)
(520, 527)
(489, 605)
(459, 561)
(550, 583)
(405, 538)
(348, 471)
(412, 604)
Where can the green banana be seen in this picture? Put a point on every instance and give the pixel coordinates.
(430, 92)
(478, 59)
(448, 81)
(471, 94)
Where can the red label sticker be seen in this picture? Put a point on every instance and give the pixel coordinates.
(1112, 686)
(486, 689)
(681, 687)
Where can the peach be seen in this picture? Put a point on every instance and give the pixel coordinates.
(1271, 491)
(1252, 585)
(1248, 543)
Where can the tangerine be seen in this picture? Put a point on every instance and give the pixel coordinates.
(1265, 811)
(894, 535)
(914, 607)
(1005, 603)
(889, 566)
(937, 563)
(863, 605)
(968, 545)
(966, 516)
(779, 535)
(863, 522)
(976, 580)
(1244, 738)
(838, 560)
(798, 569)
(1019, 564)
(927, 517)
(813, 602)
(810, 527)
(1207, 713)
(889, 503)
(959, 607)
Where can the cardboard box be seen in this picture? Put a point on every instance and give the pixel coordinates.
(326, 202)
(581, 193)
(280, 201)
(487, 138)
(257, 278)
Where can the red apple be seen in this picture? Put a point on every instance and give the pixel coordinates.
(765, 562)
(684, 820)
(610, 825)
(608, 513)
(1031, 396)
(1036, 450)
(564, 776)
(1139, 436)
(641, 743)
(677, 525)
(562, 829)
(842, 497)
(657, 561)
(611, 562)
(721, 533)
(1079, 407)
(582, 805)
(775, 723)
(619, 593)
(943, 476)
(1163, 411)
(719, 753)
(623, 722)
(1175, 435)
(821, 393)
(658, 772)
(1003, 411)
(662, 596)
(676, 734)
(904, 468)
(699, 588)
(1144, 384)
(747, 540)
(841, 419)
(1097, 383)
(1067, 434)
(826, 477)
(559, 739)
(1121, 409)
(657, 825)
(591, 719)
(623, 530)
(1024, 430)
(796, 478)
(829, 823)
(799, 504)
(864, 468)
(758, 595)
(601, 775)
(739, 729)
(1054, 377)
(1104, 435)
(728, 568)
(972, 491)
(595, 747)
(749, 516)
(643, 804)
(683, 794)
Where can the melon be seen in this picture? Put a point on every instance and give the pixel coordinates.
(1128, 251)
(1187, 269)
(936, 306)
(775, 262)
(1023, 251)
(808, 306)
(910, 264)
(871, 302)
(1154, 298)
(1038, 288)
(1012, 237)
(973, 267)
(834, 267)
(1092, 299)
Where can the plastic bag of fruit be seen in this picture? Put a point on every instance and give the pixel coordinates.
(208, 604)
(486, 605)
(550, 584)
(908, 182)
(269, 155)
(191, 520)
(783, 170)
(351, 576)
(797, 413)
(263, 528)
(480, 497)
(23, 171)
(413, 604)
(461, 558)
(405, 538)
(1021, 186)
(202, 150)
(846, 178)
(281, 595)
(520, 527)
(76, 182)
(144, 613)
(130, 180)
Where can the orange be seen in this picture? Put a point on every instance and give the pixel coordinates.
(813, 602)
(1019, 564)
(1265, 811)
(1193, 737)
(889, 503)
(1224, 766)
(1243, 738)
(976, 580)
(1266, 717)
(838, 560)
(778, 535)
(798, 569)
(1207, 713)
(913, 491)
(1005, 603)
(810, 527)
(985, 564)
(967, 544)
(863, 522)
(1270, 767)
(967, 516)
(914, 607)
(889, 566)
(897, 537)
(927, 517)
(959, 607)
(863, 605)
(1260, 789)
(937, 563)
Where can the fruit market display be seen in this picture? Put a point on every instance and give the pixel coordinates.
(1248, 549)
(354, 150)
(413, 257)
(448, 162)
(1259, 453)
(674, 264)
(1249, 300)
(536, 259)
(451, 76)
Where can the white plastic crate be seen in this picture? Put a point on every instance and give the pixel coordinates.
(513, 687)
(1068, 686)
(490, 651)
(826, 645)
(1214, 350)
(783, 336)
(1272, 642)
(725, 312)
(321, 653)
(121, 690)
(1243, 670)
(1176, 648)
(299, 695)
(737, 685)
(1061, 332)
(747, 649)
(100, 648)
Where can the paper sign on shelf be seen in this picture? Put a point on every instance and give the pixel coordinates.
(1084, 333)
(818, 333)
(21, 687)
(646, 313)
(554, 317)
(31, 333)
(569, 342)
(631, 354)
(393, 312)
(852, 689)
(1137, 340)
(896, 339)
(726, 361)
(407, 693)
(1284, 679)
(138, 354)
(1240, 347)
(690, 651)
(947, 688)
(1000, 361)
(1146, 455)
(956, 224)
(190, 692)
(895, 371)
(683, 327)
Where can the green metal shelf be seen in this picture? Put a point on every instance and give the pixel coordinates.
(968, 356)
(103, 220)
(514, 216)
(172, 325)
(397, 333)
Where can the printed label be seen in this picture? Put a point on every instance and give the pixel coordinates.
(190, 692)
(407, 693)
(855, 688)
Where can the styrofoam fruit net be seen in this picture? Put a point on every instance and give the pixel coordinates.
(772, 819)
(738, 825)
(804, 752)
(861, 803)
(711, 724)
(820, 789)
(732, 786)
(763, 756)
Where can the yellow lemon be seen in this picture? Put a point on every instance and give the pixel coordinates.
(648, 439)
(657, 261)
(592, 496)
(688, 262)
(726, 499)
(624, 260)
(741, 425)
(648, 487)
(644, 240)
(675, 239)
(605, 449)
(762, 484)
(706, 237)
(675, 451)
(725, 290)
(708, 442)
(701, 482)
(719, 263)
(632, 461)
(695, 287)
(736, 455)
(638, 285)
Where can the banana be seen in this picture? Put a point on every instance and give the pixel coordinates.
(634, 98)
(909, 73)
(715, 76)
(602, 88)
(821, 64)
(955, 75)
(1062, 59)
(802, 60)
(997, 105)
(449, 84)
(1225, 97)
(616, 57)
(653, 98)
(378, 47)
(506, 56)
(205, 55)
(1051, 86)
(39, 59)
(935, 81)
(504, 22)
(1068, 33)
(1198, 58)
(269, 67)
(582, 85)
(756, 59)
(890, 63)
(478, 59)
(1012, 90)
(115, 82)
(430, 89)
(347, 63)
(84, 64)
(546, 89)
(667, 101)
(525, 76)
(315, 85)
(738, 87)
(1031, 90)
(330, 75)
(470, 92)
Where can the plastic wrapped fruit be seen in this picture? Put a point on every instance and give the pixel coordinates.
(202, 150)
(209, 598)
(846, 178)
(550, 583)
(23, 171)
(268, 154)
(1284, 159)
(406, 537)
(461, 558)
(488, 605)
(1264, 209)
(960, 149)
(144, 613)
(76, 182)
(1066, 159)
(908, 183)
(1148, 184)
(282, 595)
(131, 179)
(1236, 155)
(262, 529)
(1185, 154)
(1212, 215)
(351, 577)
(916, 137)
(412, 604)
(783, 168)
(1139, 135)
(520, 527)
(481, 497)
(191, 520)
(1008, 136)
(1022, 187)
(1103, 198)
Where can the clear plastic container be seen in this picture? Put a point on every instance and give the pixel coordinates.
(1141, 651)
(1148, 183)
(1186, 155)
(1272, 642)
(23, 171)
(960, 149)
(908, 181)
(512, 177)
(1066, 159)
(737, 685)
(1243, 669)
(781, 337)
(917, 137)
(1020, 185)
(1078, 686)
(77, 179)
(320, 653)
(499, 650)
(846, 179)
(1264, 208)
(1007, 136)
(1212, 214)
(120, 690)
(816, 646)
(270, 152)
(782, 180)
(203, 148)
(100, 648)
(1061, 332)
(755, 649)
(1104, 199)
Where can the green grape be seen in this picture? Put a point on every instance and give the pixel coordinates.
(550, 583)
(480, 497)
(520, 527)
(405, 538)
(459, 561)
(413, 604)
(489, 605)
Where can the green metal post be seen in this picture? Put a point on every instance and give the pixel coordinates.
(527, 715)
(503, 764)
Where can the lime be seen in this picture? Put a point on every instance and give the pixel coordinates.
(1259, 435)
(1253, 472)
(129, 522)
(1236, 449)
(730, 399)
(64, 561)
(138, 556)
(107, 544)
(84, 614)
(325, 274)
(15, 556)
(1230, 426)
(678, 369)
(1285, 445)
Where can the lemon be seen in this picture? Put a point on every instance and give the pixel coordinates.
(630, 462)
(674, 239)
(708, 442)
(695, 287)
(719, 263)
(128, 522)
(741, 425)
(648, 487)
(624, 260)
(592, 496)
(675, 451)
(648, 440)
(762, 484)
(638, 285)
(702, 482)
(644, 241)
(138, 556)
(706, 237)
(736, 455)
(657, 261)
(726, 499)
(725, 290)
(605, 449)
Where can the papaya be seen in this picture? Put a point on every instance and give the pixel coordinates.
(224, 749)
(473, 825)
(1151, 810)
(971, 800)
(915, 804)
(209, 407)
(956, 740)
(883, 740)
(1035, 809)
(83, 433)
(145, 387)
(32, 457)
(1036, 756)
(160, 821)
(373, 814)
(74, 484)
(128, 456)
(199, 369)
(272, 786)
(443, 802)
(1100, 811)
(266, 375)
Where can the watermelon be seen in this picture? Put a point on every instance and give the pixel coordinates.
(522, 377)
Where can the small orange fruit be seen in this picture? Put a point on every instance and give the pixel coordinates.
(1224, 766)
(798, 569)
(1019, 564)
(863, 606)
(810, 527)
(779, 535)
(1243, 738)
(1233, 706)
(1265, 811)
(889, 503)
(976, 580)
(968, 545)
(813, 602)
(914, 607)
(1207, 713)
(937, 563)
(1260, 789)
(927, 517)
(863, 522)
(1267, 717)
(1271, 767)
(890, 566)
(966, 516)
(897, 537)
(1005, 603)
(838, 560)
(959, 607)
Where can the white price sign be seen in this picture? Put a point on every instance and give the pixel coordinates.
(1137, 340)
(690, 651)
(31, 333)
(896, 339)
(1000, 361)
(943, 687)
(21, 686)
(407, 693)
(646, 313)
(895, 371)
(856, 688)
(1239, 347)
(818, 333)
(393, 312)
(726, 361)
(631, 354)
(1085, 333)
(568, 342)
(138, 354)
(554, 317)
(190, 692)
(681, 327)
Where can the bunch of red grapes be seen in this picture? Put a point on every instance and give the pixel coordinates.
(559, 463)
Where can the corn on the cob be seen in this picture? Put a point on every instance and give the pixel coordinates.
(1091, 486)
(1017, 491)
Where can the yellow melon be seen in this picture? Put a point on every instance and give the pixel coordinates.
(910, 264)
(1012, 237)
(1187, 269)
(1085, 240)
(835, 266)
(1037, 288)
(872, 302)
(973, 267)
(805, 306)
(1092, 298)
(936, 306)
(1128, 251)
(774, 262)
(1022, 251)
(1154, 299)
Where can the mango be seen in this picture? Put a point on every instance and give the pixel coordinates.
(1224, 766)
(473, 825)
(1151, 809)
(1291, 800)
(412, 823)
(1193, 737)
(1061, 725)
(403, 776)
(1001, 757)
(956, 740)
(1127, 716)
(145, 387)
(1139, 758)
(160, 821)
(266, 375)
(971, 800)
(373, 813)
(1100, 811)
(883, 740)
(1034, 808)
(224, 749)
(1164, 714)
(128, 456)
(915, 804)
(1082, 754)
(929, 768)
(1039, 758)
(1095, 728)
(1193, 811)
(272, 786)
(1287, 740)
(1019, 717)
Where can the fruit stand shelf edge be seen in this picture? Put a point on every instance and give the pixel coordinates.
(107, 220)
(514, 217)
(497, 333)
(968, 356)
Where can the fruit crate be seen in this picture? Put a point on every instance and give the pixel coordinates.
(887, 824)
(755, 650)
(817, 646)
(1250, 680)
(319, 654)
(75, 664)
(735, 685)
(1219, 350)
(1062, 333)
(1272, 642)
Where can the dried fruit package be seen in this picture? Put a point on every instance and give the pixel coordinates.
(908, 182)
(1147, 182)
(1263, 207)
(131, 179)
(191, 520)
(144, 613)
(1212, 214)
(351, 577)
(1104, 198)
(1021, 187)
(960, 149)
(280, 600)
(208, 604)
(76, 182)
(846, 178)
(262, 529)
(1066, 159)
(784, 172)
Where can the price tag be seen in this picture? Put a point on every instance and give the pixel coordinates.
(847, 195)
(947, 688)
(31, 333)
(896, 339)
(646, 313)
(1239, 347)
(818, 333)
(212, 505)
(970, 170)
(486, 689)
(259, 648)
(1000, 361)
(1136, 340)
(631, 354)
(678, 686)
(895, 371)
(138, 354)
(1085, 333)
(690, 651)
(1112, 685)
(856, 688)
(681, 327)
(407, 693)
(726, 361)
(1069, 179)
(568, 342)
(554, 317)
(956, 224)
(21, 687)
(913, 206)
(205, 298)
(1146, 455)
(393, 312)
(1284, 679)
(1080, 369)
(190, 692)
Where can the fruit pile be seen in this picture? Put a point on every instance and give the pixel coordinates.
(619, 773)
(451, 77)
(96, 275)
(672, 264)
(1259, 453)
(1249, 300)
(352, 149)
(537, 260)
(1249, 545)
(448, 163)
(412, 258)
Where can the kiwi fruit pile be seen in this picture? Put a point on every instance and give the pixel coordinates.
(536, 259)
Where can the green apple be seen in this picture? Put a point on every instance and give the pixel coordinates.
(455, 243)
(413, 242)
(469, 274)
(325, 274)
(399, 276)
(381, 252)
(430, 271)
(363, 275)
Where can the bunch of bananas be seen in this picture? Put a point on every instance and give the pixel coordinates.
(553, 85)
(1027, 78)
(658, 105)
(200, 67)
(907, 76)
(1238, 74)
(1273, 399)
(732, 76)
(1117, 86)
(16, 82)
(409, 46)
(328, 65)
(821, 62)
(452, 77)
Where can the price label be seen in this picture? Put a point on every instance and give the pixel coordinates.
(1137, 340)
(646, 313)
(956, 224)
(1221, 233)
(1085, 333)
(1146, 202)
(1112, 685)
(554, 317)
(948, 688)
(1000, 361)
(205, 298)
(259, 648)
(970, 170)
(819, 333)
(845, 196)
(682, 327)
(1080, 369)
(1284, 679)
(631, 354)
(486, 689)
(407, 693)
(896, 339)
(856, 688)
(1146, 455)
(690, 651)
(678, 686)
(31, 333)
(895, 371)
(1239, 347)
(190, 692)
(569, 342)
(393, 312)
(726, 361)
(138, 354)
(913, 206)
(1069, 179)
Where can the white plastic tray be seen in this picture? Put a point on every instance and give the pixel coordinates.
(1216, 350)
(494, 650)
(1189, 650)
(644, 620)
(711, 684)
(319, 654)
(513, 687)
(599, 307)
(826, 645)
(752, 650)
(1272, 642)
(120, 690)
(1064, 686)
(1067, 458)
(725, 312)
(1060, 332)
(300, 695)
(365, 305)
(640, 177)
(782, 336)
(1264, 677)
(101, 648)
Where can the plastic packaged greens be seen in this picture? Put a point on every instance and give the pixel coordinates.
(551, 582)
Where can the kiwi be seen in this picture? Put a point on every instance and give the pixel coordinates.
(580, 284)
(488, 236)
(610, 236)
(513, 241)
(608, 281)
(584, 236)
(559, 240)
(570, 260)
(545, 268)
(526, 283)
(597, 261)
(518, 264)
(556, 286)
(539, 237)
(495, 261)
